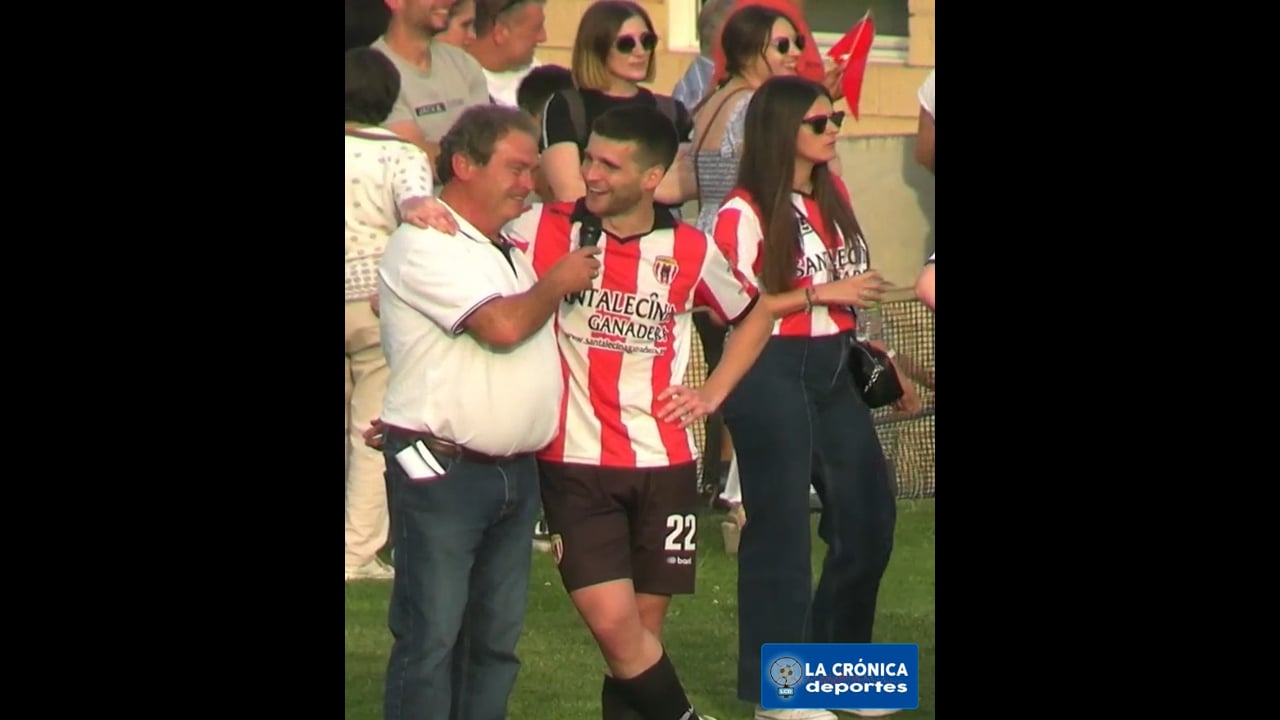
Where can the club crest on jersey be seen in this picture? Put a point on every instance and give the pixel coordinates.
(665, 269)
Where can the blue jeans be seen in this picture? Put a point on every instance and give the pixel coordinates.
(795, 419)
(463, 553)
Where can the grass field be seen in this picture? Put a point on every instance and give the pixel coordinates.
(560, 676)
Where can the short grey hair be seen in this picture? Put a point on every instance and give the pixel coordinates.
(710, 18)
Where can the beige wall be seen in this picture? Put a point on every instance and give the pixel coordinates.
(893, 196)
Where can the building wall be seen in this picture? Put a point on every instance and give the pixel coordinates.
(893, 195)
(893, 198)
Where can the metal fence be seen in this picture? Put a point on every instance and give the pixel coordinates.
(904, 324)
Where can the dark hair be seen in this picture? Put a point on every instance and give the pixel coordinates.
(597, 30)
(540, 84)
(488, 12)
(767, 171)
(475, 133)
(746, 35)
(653, 133)
(367, 20)
(710, 19)
(373, 83)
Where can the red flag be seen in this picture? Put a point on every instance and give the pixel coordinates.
(856, 45)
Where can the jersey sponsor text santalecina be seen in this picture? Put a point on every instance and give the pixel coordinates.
(628, 337)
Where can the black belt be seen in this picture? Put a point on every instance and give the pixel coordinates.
(450, 449)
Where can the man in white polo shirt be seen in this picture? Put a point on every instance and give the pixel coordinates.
(474, 390)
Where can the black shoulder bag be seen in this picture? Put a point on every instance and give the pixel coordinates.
(871, 369)
(874, 376)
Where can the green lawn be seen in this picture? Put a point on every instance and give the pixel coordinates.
(559, 679)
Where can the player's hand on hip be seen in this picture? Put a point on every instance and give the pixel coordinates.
(685, 406)
(428, 212)
(861, 291)
(576, 271)
(374, 305)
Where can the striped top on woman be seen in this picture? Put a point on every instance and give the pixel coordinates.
(822, 256)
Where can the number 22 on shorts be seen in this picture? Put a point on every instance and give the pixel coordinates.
(682, 531)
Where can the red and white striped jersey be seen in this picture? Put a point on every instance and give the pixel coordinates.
(821, 257)
(628, 337)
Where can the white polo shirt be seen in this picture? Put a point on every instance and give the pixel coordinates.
(444, 381)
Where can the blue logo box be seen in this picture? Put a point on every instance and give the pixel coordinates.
(813, 676)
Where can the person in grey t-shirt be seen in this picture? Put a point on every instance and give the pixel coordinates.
(437, 81)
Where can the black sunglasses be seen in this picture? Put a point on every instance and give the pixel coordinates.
(783, 45)
(626, 44)
(818, 123)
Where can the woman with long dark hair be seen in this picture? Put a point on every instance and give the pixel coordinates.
(796, 417)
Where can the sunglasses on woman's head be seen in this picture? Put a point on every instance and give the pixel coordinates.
(626, 44)
(818, 123)
(783, 45)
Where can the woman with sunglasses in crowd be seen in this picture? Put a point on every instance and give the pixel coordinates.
(790, 225)
(612, 54)
(812, 64)
(759, 43)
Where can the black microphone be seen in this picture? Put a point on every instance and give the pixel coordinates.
(589, 232)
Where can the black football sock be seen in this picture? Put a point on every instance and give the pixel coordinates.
(657, 693)
(613, 703)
